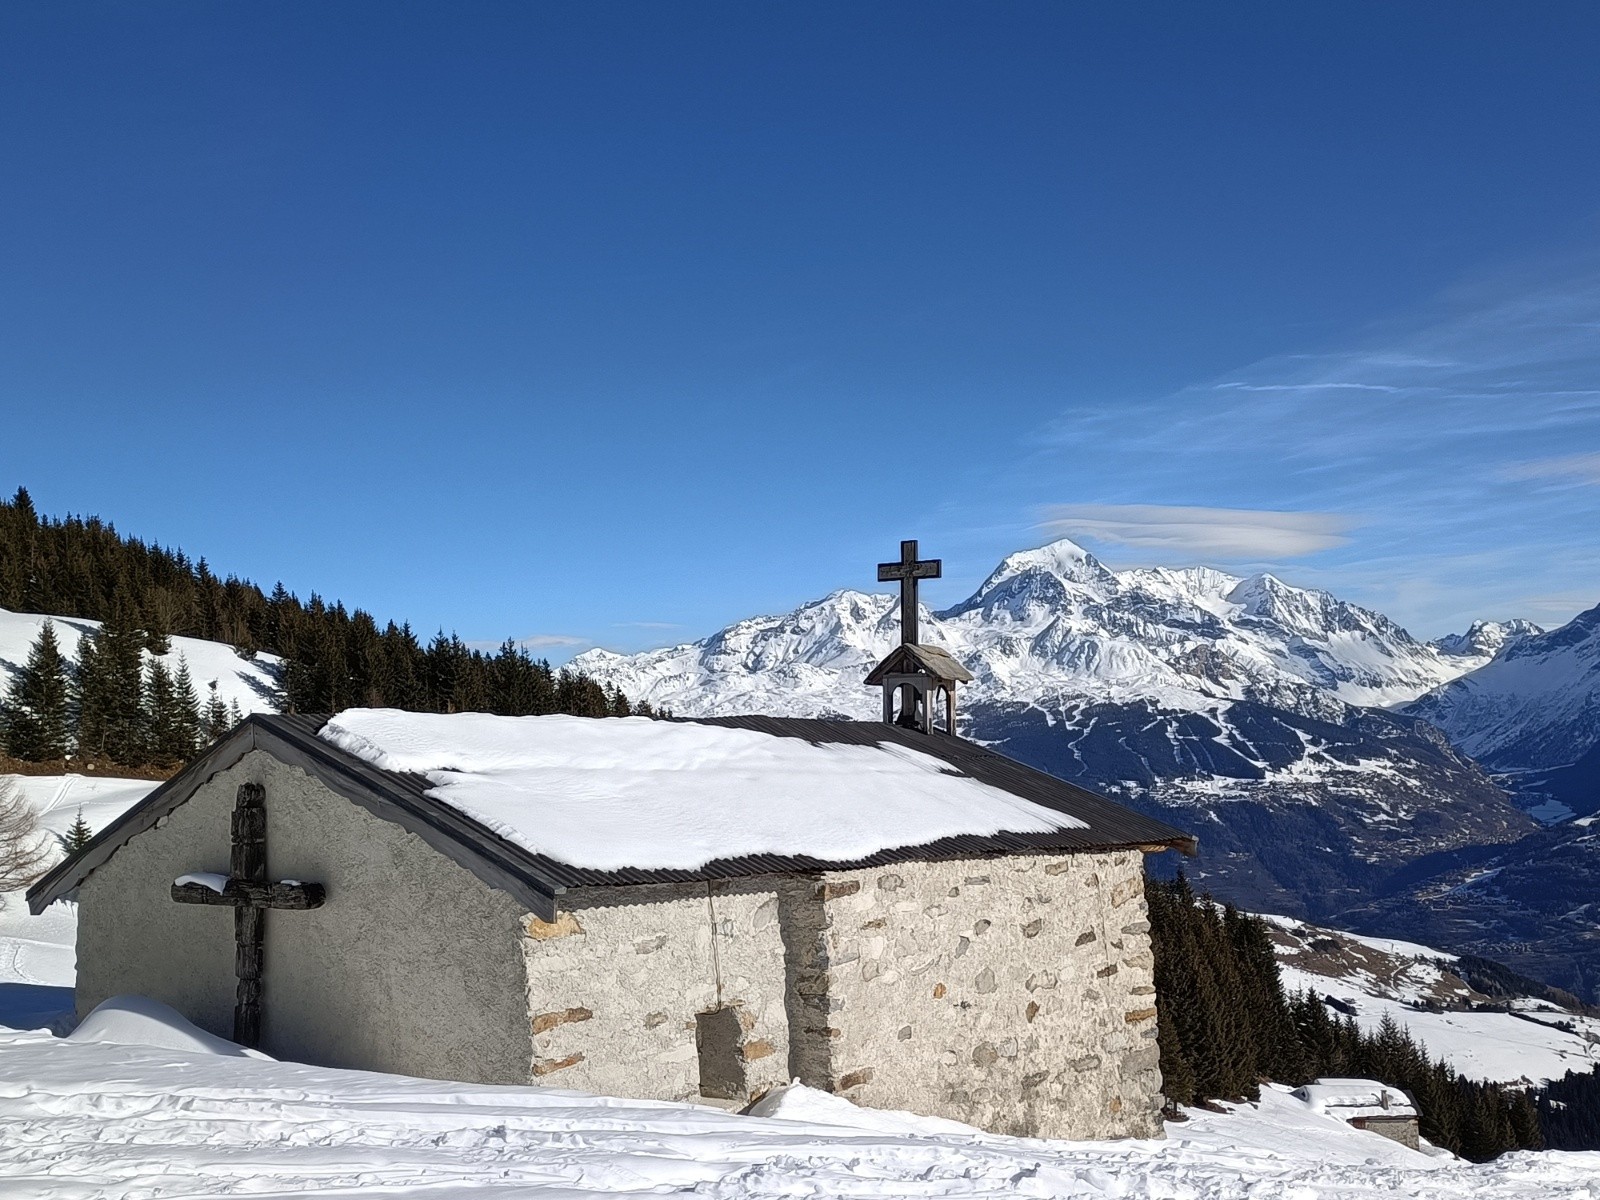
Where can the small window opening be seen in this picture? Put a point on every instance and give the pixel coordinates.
(719, 1038)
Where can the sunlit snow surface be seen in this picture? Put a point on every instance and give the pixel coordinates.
(1535, 1042)
(87, 1120)
(95, 1120)
(634, 792)
(250, 683)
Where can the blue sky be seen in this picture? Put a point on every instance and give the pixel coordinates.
(611, 323)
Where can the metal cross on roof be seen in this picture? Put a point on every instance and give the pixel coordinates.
(908, 570)
(249, 894)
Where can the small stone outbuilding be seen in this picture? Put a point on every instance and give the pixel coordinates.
(1365, 1104)
(680, 910)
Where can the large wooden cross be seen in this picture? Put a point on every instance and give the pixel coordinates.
(249, 894)
(908, 570)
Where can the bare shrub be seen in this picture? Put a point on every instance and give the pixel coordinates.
(24, 851)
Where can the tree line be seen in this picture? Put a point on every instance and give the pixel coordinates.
(1569, 1111)
(111, 704)
(118, 702)
(1227, 1025)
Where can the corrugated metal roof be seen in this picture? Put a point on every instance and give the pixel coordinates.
(537, 878)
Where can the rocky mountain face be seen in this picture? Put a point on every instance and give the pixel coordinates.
(1248, 710)
(1536, 705)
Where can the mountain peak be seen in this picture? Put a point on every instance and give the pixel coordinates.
(1485, 639)
(1040, 579)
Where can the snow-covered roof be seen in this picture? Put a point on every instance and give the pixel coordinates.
(1352, 1098)
(675, 795)
(537, 805)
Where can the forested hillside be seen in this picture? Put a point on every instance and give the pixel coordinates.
(1227, 1026)
(112, 705)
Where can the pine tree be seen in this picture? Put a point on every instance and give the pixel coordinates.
(36, 718)
(187, 728)
(110, 691)
(171, 722)
(77, 836)
(214, 720)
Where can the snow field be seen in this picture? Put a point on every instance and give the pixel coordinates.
(88, 1120)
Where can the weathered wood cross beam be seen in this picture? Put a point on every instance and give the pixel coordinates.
(249, 894)
(908, 570)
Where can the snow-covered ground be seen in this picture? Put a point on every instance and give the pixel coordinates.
(106, 1119)
(1379, 977)
(106, 1114)
(250, 683)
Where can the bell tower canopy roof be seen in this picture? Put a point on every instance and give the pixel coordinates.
(910, 659)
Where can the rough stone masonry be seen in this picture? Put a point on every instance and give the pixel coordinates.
(1015, 994)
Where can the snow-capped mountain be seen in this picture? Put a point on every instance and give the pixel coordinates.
(1536, 704)
(1238, 708)
(1484, 639)
(1054, 625)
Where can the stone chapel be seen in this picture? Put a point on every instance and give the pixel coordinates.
(672, 909)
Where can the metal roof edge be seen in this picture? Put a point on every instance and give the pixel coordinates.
(71, 871)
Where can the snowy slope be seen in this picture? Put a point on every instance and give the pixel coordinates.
(1537, 704)
(251, 684)
(1054, 623)
(1419, 988)
(89, 1120)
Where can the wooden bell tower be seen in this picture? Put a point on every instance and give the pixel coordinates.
(918, 675)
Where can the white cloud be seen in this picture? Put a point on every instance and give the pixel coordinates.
(1221, 533)
(1585, 468)
(536, 641)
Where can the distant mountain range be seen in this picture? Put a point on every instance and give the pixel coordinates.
(1325, 756)
(1054, 624)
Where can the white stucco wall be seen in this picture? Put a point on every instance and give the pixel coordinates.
(413, 965)
(1016, 994)
(616, 981)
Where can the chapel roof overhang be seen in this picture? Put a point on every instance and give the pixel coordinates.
(536, 879)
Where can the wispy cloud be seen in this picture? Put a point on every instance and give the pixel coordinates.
(1218, 533)
(1469, 431)
(535, 641)
(1584, 468)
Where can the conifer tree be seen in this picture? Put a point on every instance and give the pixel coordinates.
(214, 720)
(332, 657)
(77, 836)
(110, 691)
(187, 730)
(171, 722)
(36, 717)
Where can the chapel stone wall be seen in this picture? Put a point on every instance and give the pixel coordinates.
(1015, 994)
(413, 965)
(667, 992)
